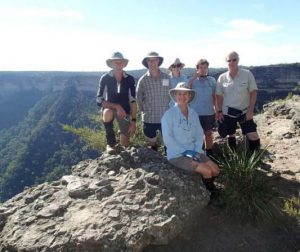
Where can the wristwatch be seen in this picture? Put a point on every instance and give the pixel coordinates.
(133, 119)
(220, 111)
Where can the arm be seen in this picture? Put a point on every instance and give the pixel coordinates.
(218, 106)
(250, 111)
(133, 110)
(214, 98)
(100, 92)
(253, 95)
(140, 94)
(198, 134)
(167, 132)
(219, 100)
(132, 100)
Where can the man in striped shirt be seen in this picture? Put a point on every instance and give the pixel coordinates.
(153, 97)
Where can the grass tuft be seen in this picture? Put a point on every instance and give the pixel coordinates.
(246, 194)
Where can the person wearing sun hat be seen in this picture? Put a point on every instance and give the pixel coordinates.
(183, 136)
(176, 75)
(116, 97)
(153, 97)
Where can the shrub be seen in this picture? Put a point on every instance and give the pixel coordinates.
(246, 194)
(95, 138)
(292, 207)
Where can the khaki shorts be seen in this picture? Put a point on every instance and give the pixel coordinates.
(122, 123)
(185, 163)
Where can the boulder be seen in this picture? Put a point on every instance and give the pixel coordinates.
(122, 202)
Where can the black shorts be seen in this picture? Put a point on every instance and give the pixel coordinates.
(150, 129)
(246, 126)
(207, 122)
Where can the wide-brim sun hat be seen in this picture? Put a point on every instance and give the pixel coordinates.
(116, 56)
(152, 55)
(176, 62)
(182, 86)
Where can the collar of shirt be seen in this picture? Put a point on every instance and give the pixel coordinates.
(148, 73)
(229, 77)
(111, 73)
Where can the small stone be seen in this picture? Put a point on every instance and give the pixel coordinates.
(114, 213)
(111, 173)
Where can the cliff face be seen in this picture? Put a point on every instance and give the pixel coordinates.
(274, 81)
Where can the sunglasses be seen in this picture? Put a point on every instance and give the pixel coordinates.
(231, 60)
(178, 65)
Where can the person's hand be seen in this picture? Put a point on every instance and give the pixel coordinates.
(249, 115)
(195, 163)
(132, 128)
(120, 112)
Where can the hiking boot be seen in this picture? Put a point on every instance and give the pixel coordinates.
(110, 149)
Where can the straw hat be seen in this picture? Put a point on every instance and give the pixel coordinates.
(152, 55)
(116, 56)
(178, 63)
(182, 86)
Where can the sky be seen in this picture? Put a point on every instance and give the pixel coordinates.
(79, 35)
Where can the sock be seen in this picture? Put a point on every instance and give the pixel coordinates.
(209, 184)
(110, 134)
(254, 145)
(154, 147)
(232, 143)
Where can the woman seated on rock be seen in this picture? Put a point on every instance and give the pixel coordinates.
(183, 136)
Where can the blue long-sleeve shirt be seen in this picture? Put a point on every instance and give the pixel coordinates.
(181, 133)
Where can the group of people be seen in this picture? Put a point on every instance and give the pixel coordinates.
(183, 110)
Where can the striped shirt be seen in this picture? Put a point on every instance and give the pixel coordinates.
(152, 96)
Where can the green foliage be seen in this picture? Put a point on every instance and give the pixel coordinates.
(38, 149)
(138, 137)
(93, 138)
(247, 194)
(289, 96)
(292, 207)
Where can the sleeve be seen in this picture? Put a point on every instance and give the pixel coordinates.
(198, 134)
(213, 83)
(219, 86)
(140, 94)
(252, 82)
(132, 90)
(167, 132)
(101, 91)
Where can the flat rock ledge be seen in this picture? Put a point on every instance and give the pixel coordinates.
(123, 202)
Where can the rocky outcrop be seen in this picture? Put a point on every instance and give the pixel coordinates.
(114, 203)
(279, 129)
